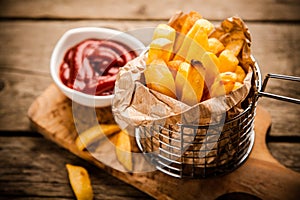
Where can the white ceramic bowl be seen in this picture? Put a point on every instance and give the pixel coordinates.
(75, 36)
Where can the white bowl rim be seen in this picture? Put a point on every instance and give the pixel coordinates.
(82, 30)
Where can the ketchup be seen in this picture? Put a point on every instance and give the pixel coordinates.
(92, 65)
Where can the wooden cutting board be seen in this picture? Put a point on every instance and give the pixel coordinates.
(261, 175)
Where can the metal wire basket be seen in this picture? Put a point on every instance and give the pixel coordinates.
(216, 149)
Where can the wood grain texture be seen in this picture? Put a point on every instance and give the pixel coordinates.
(259, 175)
(31, 167)
(286, 153)
(19, 89)
(40, 163)
(26, 49)
(26, 162)
(142, 9)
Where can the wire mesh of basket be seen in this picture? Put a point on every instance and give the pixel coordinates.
(201, 151)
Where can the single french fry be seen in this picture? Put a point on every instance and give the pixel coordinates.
(217, 88)
(160, 48)
(211, 63)
(215, 46)
(177, 21)
(159, 78)
(80, 182)
(95, 133)
(192, 17)
(235, 46)
(123, 150)
(190, 82)
(173, 66)
(241, 74)
(228, 61)
(164, 31)
(228, 79)
(195, 43)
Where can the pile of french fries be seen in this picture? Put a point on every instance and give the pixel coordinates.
(188, 60)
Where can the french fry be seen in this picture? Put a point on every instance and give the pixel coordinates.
(228, 61)
(228, 79)
(192, 17)
(190, 82)
(160, 48)
(123, 150)
(162, 43)
(215, 46)
(173, 66)
(195, 43)
(240, 74)
(235, 46)
(217, 88)
(80, 182)
(211, 63)
(219, 49)
(164, 31)
(159, 78)
(177, 21)
(95, 133)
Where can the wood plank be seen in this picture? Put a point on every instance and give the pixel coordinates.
(260, 168)
(25, 163)
(28, 45)
(18, 92)
(31, 170)
(286, 153)
(136, 9)
(280, 41)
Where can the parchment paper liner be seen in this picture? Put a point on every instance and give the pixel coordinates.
(136, 105)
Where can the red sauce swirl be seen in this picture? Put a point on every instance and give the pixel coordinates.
(92, 65)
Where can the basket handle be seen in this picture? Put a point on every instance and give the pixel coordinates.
(262, 93)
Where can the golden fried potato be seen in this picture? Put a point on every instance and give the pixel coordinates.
(95, 133)
(235, 46)
(215, 46)
(123, 150)
(160, 48)
(159, 78)
(177, 21)
(211, 63)
(228, 79)
(173, 66)
(190, 82)
(240, 74)
(164, 31)
(228, 61)
(192, 17)
(80, 182)
(230, 76)
(217, 88)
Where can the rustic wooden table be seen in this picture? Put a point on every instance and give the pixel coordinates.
(32, 167)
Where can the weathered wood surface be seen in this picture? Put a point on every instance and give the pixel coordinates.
(271, 10)
(30, 29)
(28, 159)
(32, 160)
(51, 114)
